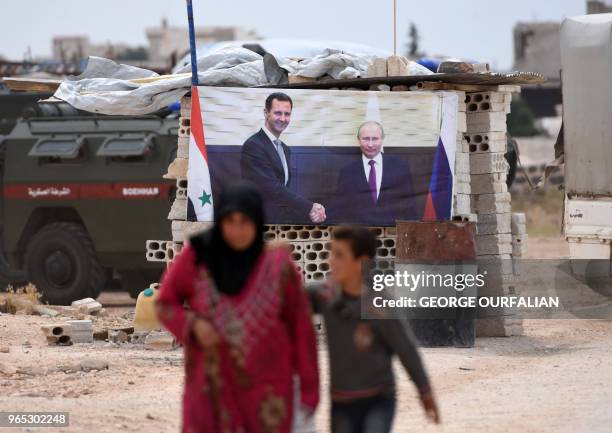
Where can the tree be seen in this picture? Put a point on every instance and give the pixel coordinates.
(413, 41)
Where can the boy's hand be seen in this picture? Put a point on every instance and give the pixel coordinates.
(429, 405)
(205, 333)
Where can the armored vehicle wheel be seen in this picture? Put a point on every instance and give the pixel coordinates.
(61, 261)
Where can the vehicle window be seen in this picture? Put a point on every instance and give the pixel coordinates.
(56, 148)
(124, 147)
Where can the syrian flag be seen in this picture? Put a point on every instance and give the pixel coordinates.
(199, 190)
(439, 201)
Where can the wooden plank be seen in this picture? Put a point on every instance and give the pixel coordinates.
(44, 85)
(438, 85)
(31, 84)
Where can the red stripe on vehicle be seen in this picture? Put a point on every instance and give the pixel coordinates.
(74, 191)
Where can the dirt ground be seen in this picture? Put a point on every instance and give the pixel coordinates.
(555, 378)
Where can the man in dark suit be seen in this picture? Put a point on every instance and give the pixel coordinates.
(377, 188)
(265, 162)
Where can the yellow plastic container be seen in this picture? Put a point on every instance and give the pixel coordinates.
(145, 318)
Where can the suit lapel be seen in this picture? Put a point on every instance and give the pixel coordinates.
(270, 150)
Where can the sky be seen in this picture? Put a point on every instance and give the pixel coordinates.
(476, 29)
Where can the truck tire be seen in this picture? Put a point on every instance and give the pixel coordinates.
(61, 262)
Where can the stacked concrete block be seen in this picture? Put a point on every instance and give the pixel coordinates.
(485, 142)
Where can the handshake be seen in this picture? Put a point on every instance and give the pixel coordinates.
(317, 213)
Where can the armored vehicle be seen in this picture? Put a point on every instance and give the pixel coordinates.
(81, 194)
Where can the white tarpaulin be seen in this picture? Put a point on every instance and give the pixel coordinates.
(109, 88)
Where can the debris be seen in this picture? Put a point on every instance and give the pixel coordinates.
(32, 371)
(4, 349)
(87, 305)
(69, 368)
(7, 369)
(117, 336)
(81, 331)
(42, 310)
(100, 334)
(90, 364)
(160, 340)
(138, 337)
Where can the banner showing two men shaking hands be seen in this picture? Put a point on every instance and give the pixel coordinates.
(328, 156)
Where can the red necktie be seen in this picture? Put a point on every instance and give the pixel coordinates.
(372, 180)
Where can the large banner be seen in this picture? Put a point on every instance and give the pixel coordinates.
(325, 156)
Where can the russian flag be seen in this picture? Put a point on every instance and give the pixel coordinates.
(440, 195)
(439, 202)
(199, 189)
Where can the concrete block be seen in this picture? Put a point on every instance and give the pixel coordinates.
(160, 340)
(462, 124)
(491, 203)
(486, 121)
(492, 97)
(519, 245)
(81, 331)
(378, 68)
(397, 66)
(461, 188)
(177, 169)
(493, 224)
(490, 183)
(156, 250)
(462, 162)
(519, 226)
(87, 305)
(182, 150)
(461, 204)
(489, 162)
(178, 211)
(496, 264)
(494, 244)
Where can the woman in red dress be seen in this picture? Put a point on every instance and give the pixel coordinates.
(248, 329)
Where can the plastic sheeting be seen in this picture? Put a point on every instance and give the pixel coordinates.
(586, 56)
(109, 88)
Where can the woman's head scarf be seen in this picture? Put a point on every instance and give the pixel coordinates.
(229, 268)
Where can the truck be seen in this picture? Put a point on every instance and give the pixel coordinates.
(586, 60)
(81, 194)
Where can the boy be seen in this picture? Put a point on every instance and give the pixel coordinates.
(360, 351)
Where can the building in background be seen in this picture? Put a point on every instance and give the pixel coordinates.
(171, 42)
(166, 44)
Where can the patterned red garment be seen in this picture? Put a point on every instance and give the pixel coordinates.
(245, 383)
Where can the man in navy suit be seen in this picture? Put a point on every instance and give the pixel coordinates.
(377, 188)
(265, 162)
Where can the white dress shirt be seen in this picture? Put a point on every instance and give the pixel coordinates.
(378, 159)
(276, 142)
